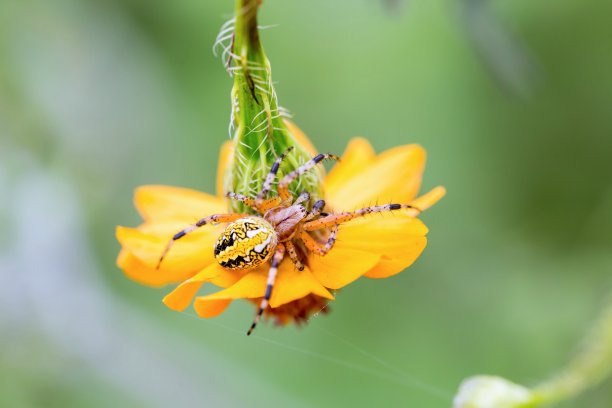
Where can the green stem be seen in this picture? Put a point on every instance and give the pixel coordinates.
(588, 368)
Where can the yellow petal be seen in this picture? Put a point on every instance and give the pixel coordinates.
(143, 274)
(381, 233)
(394, 176)
(358, 154)
(389, 266)
(215, 304)
(184, 293)
(301, 137)
(430, 198)
(188, 255)
(251, 285)
(292, 284)
(163, 202)
(341, 266)
(208, 308)
(225, 157)
(228, 278)
(397, 237)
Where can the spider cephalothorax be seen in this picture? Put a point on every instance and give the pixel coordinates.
(283, 224)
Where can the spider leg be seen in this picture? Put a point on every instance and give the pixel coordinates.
(267, 185)
(261, 207)
(320, 249)
(316, 210)
(335, 219)
(204, 221)
(283, 185)
(248, 201)
(294, 255)
(269, 204)
(304, 197)
(276, 261)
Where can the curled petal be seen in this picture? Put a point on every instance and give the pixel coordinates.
(394, 176)
(208, 308)
(290, 285)
(184, 293)
(251, 285)
(390, 265)
(430, 198)
(165, 202)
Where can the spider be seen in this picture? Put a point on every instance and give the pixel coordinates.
(283, 225)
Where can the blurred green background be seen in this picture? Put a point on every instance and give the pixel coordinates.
(511, 99)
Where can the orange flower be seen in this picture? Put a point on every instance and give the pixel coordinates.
(374, 247)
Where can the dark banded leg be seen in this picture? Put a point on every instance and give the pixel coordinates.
(294, 255)
(316, 210)
(267, 185)
(204, 221)
(335, 219)
(274, 264)
(302, 198)
(283, 185)
(316, 247)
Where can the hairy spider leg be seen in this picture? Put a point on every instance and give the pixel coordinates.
(215, 218)
(283, 185)
(276, 261)
(316, 247)
(294, 255)
(302, 198)
(267, 185)
(248, 201)
(340, 218)
(316, 210)
(261, 208)
(269, 204)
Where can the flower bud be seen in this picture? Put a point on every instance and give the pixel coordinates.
(491, 392)
(260, 133)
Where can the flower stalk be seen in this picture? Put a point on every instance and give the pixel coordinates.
(587, 369)
(260, 133)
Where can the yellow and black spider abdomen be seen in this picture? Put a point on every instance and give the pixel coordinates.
(246, 243)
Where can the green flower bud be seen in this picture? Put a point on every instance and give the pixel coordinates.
(260, 134)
